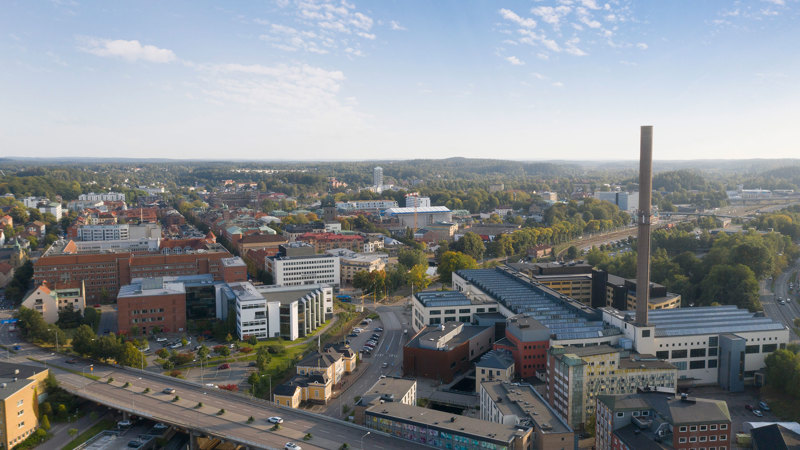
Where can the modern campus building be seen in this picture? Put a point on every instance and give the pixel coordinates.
(721, 345)
(495, 365)
(627, 201)
(520, 404)
(297, 264)
(118, 232)
(102, 197)
(438, 307)
(443, 351)
(422, 216)
(577, 375)
(366, 205)
(152, 304)
(527, 340)
(655, 420)
(352, 262)
(49, 300)
(266, 311)
(22, 387)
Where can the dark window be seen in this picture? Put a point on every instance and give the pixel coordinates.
(751, 349)
(698, 352)
(435, 321)
(769, 348)
(449, 319)
(663, 354)
(645, 333)
(463, 311)
(679, 354)
(449, 311)
(712, 351)
(713, 341)
(697, 364)
(436, 312)
(712, 363)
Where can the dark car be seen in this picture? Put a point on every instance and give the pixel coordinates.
(134, 444)
(224, 366)
(379, 329)
(72, 361)
(252, 364)
(17, 347)
(352, 335)
(748, 407)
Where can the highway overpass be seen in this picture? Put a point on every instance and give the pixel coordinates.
(231, 426)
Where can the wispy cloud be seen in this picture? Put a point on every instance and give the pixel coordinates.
(128, 50)
(515, 61)
(320, 26)
(573, 27)
(396, 26)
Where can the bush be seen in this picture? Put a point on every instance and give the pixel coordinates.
(45, 423)
(250, 419)
(72, 431)
(252, 340)
(307, 437)
(198, 405)
(275, 427)
(127, 384)
(246, 349)
(221, 412)
(175, 373)
(175, 399)
(162, 353)
(146, 391)
(110, 380)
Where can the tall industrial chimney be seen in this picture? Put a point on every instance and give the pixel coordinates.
(643, 220)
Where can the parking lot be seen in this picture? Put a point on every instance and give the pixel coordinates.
(736, 404)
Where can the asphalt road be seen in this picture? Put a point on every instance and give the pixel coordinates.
(773, 309)
(389, 350)
(326, 433)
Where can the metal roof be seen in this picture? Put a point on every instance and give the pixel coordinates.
(420, 210)
(521, 297)
(708, 320)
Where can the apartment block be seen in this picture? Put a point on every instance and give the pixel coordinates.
(297, 264)
(496, 365)
(661, 421)
(19, 386)
(577, 375)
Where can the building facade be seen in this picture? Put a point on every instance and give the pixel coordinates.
(152, 303)
(444, 351)
(292, 267)
(49, 300)
(23, 387)
(438, 307)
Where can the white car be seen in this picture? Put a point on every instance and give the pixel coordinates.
(160, 426)
(161, 339)
(275, 420)
(291, 446)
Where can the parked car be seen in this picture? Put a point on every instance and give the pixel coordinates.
(176, 345)
(748, 407)
(275, 419)
(291, 446)
(385, 365)
(161, 339)
(17, 347)
(124, 423)
(169, 390)
(134, 444)
(758, 413)
(160, 426)
(379, 329)
(763, 406)
(252, 364)
(224, 366)
(97, 305)
(352, 335)
(71, 361)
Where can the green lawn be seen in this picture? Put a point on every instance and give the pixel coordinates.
(88, 434)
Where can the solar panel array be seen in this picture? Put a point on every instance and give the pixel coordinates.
(708, 320)
(520, 297)
(442, 298)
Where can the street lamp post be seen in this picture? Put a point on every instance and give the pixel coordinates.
(56, 333)
(362, 438)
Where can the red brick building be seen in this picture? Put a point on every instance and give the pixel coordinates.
(323, 242)
(527, 340)
(152, 303)
(441, 352)
(104, 273)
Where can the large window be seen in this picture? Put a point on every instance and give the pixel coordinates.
(769, 348)
(679, 354)
(701, 364)
(751, 349)
(698, 352)
(662, 354)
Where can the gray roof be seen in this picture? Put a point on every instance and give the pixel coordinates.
(419, 210)
(393, 387)
(496, 359)
(564, 317)
(708, 320)
(466, 426)
(524, 402)
(15, 377)
(674, 409)
(633, 437)
(434, 299)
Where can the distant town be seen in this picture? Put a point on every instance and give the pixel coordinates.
(455, 304)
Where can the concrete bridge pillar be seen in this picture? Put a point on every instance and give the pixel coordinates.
(193, 445)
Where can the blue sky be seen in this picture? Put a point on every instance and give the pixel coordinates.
(327, 80)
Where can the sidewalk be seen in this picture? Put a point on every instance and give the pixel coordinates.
(60, 431)
(317, 333)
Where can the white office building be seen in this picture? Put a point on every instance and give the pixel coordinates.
(417, 201)
(377, 177)
(102, 197)
(296, 265)
(627, 201)
(424, 216)
(119, 232)
(366, 205)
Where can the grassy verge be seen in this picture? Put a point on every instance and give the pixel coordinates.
(67, 369)
(90, 433)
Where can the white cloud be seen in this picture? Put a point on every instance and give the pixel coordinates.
(558, 84)
(572, 47)
(776, 2)
(515, 61)
(591, 4)
(641, 46)
(128, 50)
(549, 14)
(513, 17)
(396, 26)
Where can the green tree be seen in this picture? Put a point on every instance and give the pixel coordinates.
(411, 257)
(572, 252)
(418, 276)
(471, 244)
(453, 262)
(83, 340)
(731, 285)
(45, 423)
(203, 352)
(262, 359)
(130, 356)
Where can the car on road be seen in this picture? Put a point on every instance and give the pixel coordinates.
(764, 406)
(291, 446)
(160, 426)
(252, 364)
(169, 390)
(124, 423)
(161, 339)
(17, 347)
(223, 366)
(758, 413)
(275, 419)
(781, 302)
(176, 345)
(71, 361)
(134, 444)
(748, 407)
(211, 385)
(97, 305)
(385, 365)
(352, 335)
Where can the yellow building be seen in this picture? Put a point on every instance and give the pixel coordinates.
(21, 387)
(577, 286)
(313, 388)
(317, 373)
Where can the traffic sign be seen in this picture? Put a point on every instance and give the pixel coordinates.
(6, 321)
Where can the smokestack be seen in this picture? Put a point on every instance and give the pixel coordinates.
(643, 220)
